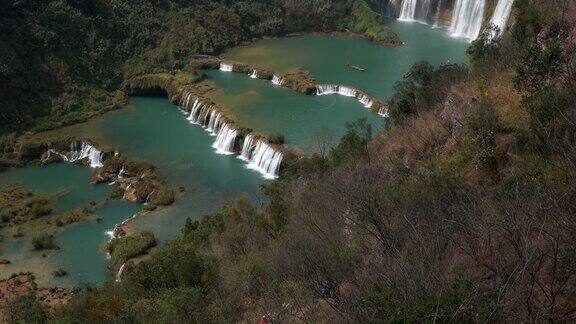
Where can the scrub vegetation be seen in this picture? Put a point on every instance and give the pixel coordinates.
(63, 62)
(462, 210)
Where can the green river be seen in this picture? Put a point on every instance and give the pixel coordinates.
(155, 130)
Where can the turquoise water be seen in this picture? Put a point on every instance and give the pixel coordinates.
(264, 107)
(80, 255)
(326, 57)
(156, 131)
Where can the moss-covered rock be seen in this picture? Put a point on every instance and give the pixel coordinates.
(125, 248)
(300, 80)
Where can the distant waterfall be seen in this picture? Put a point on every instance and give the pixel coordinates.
(224, 67)
(80, 153)
(254, 74)
(247, 148)
(214, 123)
(327, 89)
(467, 18)
(225, 140)
(366, 101)
(408, 10)
(383, 111)
(501, 15)
(261, 157)
(195, 111)
(438, 12)
(277, 80)
(148, 197)
(119, 274)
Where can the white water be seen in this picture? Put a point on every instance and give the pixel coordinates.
(148, 198)
(467, 18)
(119, 274)
(247, 148)
(277, 80)
(383, 111)
(501, 15)
(224, 67)
(265, 159)
(85, 151)
(366, 101)
(195, 111)
(408, 10)
(326, 89)
(437, 16)
(225, 140)
(254, 74)
(214, 122)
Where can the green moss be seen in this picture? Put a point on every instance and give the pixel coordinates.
(367, 22)
(125, 248)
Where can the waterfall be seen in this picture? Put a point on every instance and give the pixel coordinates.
(148, 198)
(500, 16)
(85, 151)
(119, 274)
(408, 10)
(214, 122)
(422, 14)
(467, 18)
(365, 100)
(438, 12)
(265, 159)
(195, 111)
(225, 140)
(327, 89)
(224, 67)
(383, 111)
(247, 148)
(254, 74)
(277, 80)
(346, 91)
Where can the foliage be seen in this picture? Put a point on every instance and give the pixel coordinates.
(26, 309)
(367, 22)
(45, 242)
(421, 87)
(124, 248)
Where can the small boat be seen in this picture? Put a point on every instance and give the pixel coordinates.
(357, 68)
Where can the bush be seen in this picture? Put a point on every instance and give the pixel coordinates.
(125, 248)
(45, 242)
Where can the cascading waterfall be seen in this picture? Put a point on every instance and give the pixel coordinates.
(214, 122)
(467, 18)
(224, 67)
(383, 111)
(254, 74)
(500, 16)
(247, 148)
(366, 101)
(264, 159)
(195, 111)
(326, 89)
(277, 80)
(119, 274)
(408, 10)
(225, 140)
(85, 151)
(438, 11)
(148, 198)
(346, 91)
